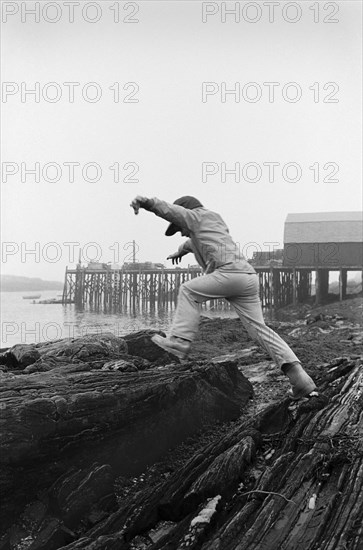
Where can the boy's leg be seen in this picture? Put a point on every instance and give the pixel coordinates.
(250, 313)
(186, 320)
(196, 291)
(248, 307)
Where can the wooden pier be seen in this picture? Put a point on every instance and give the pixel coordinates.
(120, 290)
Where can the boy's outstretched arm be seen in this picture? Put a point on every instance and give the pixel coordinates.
(141, 202)
(182, 217)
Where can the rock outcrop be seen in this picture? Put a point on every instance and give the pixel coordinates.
(123, 412)
(290, 478)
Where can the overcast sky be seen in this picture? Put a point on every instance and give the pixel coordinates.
(150, 117)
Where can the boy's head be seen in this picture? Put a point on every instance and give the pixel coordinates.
(186, 202)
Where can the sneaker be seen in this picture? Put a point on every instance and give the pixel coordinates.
(302, 396)
(302, 385)
(173, 344)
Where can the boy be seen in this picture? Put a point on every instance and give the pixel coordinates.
(226, 275)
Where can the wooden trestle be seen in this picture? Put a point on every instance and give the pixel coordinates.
(118, 290)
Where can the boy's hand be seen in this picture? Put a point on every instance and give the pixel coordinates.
(175, 258)
(141, 202)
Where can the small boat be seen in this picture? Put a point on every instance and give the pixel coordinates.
(33, 297)
(50, 301)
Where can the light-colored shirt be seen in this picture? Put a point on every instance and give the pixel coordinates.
(209, 240)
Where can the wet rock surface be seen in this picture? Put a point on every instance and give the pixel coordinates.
(68, 350)
(290, 477)
(81, 497)
(281, 475)
(125, 413)
(140, 344)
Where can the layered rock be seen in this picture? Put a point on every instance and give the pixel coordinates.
(290, 478)
(123, 412)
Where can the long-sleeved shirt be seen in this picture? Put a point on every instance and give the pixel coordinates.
(209, 240)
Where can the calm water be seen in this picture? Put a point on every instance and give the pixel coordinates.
(25, 322)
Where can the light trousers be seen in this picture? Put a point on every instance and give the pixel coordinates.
(242, 291)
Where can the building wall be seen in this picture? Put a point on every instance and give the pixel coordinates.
(327, 254)
(323, 232)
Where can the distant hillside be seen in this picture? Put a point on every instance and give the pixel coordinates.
(13, 283)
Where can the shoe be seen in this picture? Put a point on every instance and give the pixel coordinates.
(302, 385)
(302, 396)
(173, 344)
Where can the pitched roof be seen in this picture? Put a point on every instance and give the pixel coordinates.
(325, 216)
(324, 227)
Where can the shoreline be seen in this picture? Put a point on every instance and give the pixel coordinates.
(327, 339)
